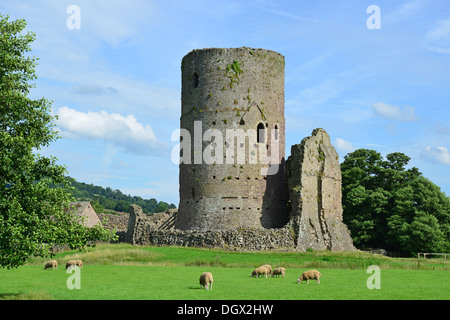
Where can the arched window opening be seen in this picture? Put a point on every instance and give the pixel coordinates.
(276, 132)
(261, 133)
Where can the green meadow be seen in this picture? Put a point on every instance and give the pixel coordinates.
(121, 271)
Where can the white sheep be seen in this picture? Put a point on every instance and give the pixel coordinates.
(268, 267)
(206, 280)
(261, 271)
(79, 263)
(70, 264)
(311, 274)
(53, 264)
(74, 263)
(278, 271)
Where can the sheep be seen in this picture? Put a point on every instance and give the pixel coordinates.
(260, 271)
(311, 274)
(74, 263)
(70, 264)
(53, 264)
(278, 271)
(79, 263)
(206, 280)
(267, 266)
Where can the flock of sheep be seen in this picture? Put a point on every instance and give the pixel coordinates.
(206, 279)
(53, 264)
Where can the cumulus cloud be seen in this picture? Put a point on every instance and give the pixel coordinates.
(123, 131)
(405, 114)
(344, 146)
(438, 155)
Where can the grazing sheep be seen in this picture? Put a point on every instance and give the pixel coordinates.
(311, 274)
(51, 264)
(268, 267)
(74, 263)
(79, 263)
(278, 271)
(70, 263)
(206, 280)
(260, 271)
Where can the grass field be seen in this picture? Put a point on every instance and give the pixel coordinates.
(171, 273)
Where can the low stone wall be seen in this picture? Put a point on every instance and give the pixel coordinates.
(242, 239)
(142, 232)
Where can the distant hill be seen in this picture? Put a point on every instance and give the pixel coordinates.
(106, 198)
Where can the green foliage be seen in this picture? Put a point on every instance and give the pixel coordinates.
(32, 214)
(391, 207)
(234, 77)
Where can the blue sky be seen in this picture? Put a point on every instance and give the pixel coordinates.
(116, 81)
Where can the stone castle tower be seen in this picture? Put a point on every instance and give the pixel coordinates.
(232, 140)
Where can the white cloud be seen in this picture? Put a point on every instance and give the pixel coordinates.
(406, 11)
(405, 114)
(442, 31)
(93, 89)
(331, 88)
(123, 131)
(344, 146)
(438, 38)
(437, 155)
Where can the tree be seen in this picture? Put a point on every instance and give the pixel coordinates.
(122, 206)
(391, 207)
(33, 215)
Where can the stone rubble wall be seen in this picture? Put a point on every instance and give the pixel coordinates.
(142, 231)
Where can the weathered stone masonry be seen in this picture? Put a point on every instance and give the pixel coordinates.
(232, 89)
(314, 184)
(143, 230)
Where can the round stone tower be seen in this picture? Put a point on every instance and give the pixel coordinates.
(232, 140)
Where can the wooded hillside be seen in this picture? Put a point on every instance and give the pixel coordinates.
(107, 198)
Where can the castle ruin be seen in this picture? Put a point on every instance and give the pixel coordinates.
(236, 189)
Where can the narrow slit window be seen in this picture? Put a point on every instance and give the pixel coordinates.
(276, 132)
(196, 80)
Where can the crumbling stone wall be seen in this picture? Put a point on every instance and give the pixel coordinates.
(243, 239)
(314, 184)
(142, 231)
(138, 226)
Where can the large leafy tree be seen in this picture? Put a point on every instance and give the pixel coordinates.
(33, 216)
(389, 206)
